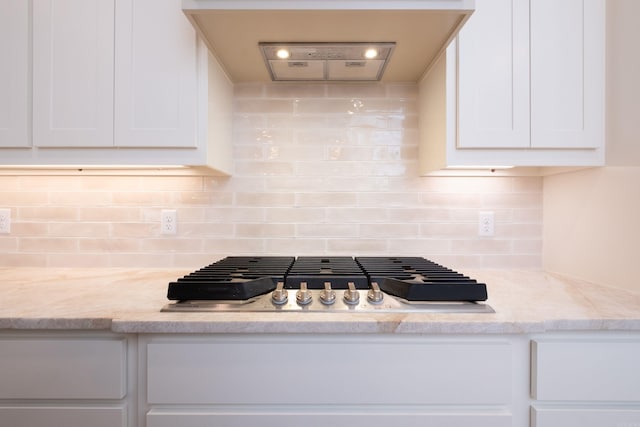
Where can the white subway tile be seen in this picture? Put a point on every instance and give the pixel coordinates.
(390, 231)
(235, 246)
(296, 246)
(357, 247)
(296, 90)
(258, 231)
(344, 231)
(326, 199)
(320, 169)
(79, 229)
(419, 247)
(295, 215)
(345, 90)
(357, 215)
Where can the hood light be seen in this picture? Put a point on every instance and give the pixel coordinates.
(371, 53)
(283, 53)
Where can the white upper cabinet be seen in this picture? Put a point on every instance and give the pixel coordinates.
(522, 85)
(73, 73)
(156, 95)
(115, 82)
(14, 74)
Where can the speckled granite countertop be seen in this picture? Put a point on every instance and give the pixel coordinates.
(129, 301)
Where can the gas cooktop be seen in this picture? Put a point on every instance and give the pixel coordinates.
(327, 284)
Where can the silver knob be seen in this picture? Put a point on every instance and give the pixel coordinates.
(303, 296)
(351, 295)
(375, 295)
(280, 295)
(327, 295)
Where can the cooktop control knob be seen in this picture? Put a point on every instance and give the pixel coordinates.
(375, 295)
(327, 295)
(280, 295)
(351, 295)
(303, 296)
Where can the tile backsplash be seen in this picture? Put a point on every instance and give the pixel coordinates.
(319, 169)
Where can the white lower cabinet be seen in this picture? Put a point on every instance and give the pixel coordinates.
(76, 379)
(585, 380)
(328, 380)
(65, 379)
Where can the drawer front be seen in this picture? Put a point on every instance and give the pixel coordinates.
(585, 417)
(586, 370)
(299, 370)
(68, 416)
(62, 368)
(328, 418)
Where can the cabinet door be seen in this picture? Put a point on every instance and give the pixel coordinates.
(14, 73)
(585, 370)
(493, 76)
(228, 371)
(73, 73)
(62, 368)
(567, 73)
(156, 75)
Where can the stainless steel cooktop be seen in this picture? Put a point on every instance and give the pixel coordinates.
(327, 284)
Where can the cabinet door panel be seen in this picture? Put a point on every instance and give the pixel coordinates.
(156, 75)
(585, 370)
(567, 73)
(493, 76)
(585, 417)
(292, 371)
(62, 368)
(73, 73)
(14, 73)
(67, 416)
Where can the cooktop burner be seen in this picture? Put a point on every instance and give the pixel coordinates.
(340, 283)
(232, 278)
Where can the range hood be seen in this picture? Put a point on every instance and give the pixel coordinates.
(415, 31)
(326, 61)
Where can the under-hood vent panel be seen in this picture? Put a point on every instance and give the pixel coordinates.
(420, 29)
(326, 61)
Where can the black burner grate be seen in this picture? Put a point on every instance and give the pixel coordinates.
(418, 279)
(232, 278)
(315, 271)
(410, 278)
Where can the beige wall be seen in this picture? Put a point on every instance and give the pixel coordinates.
(592, 217)
(592, 225)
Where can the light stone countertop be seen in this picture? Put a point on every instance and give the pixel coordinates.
(129, 301)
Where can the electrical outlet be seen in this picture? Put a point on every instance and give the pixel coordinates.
(168, 221)
(486, 225)
(5, 221)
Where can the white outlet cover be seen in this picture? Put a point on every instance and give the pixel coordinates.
(168, 221)
(486, 224)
